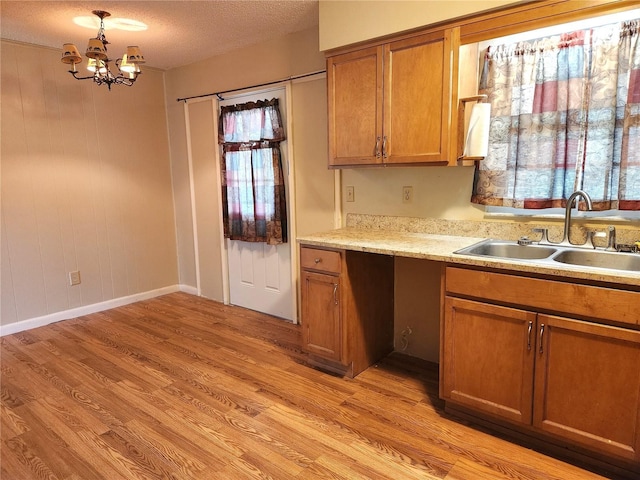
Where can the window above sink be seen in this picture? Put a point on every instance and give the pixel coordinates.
(500, 188)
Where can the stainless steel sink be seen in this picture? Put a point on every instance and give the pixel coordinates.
(505, 249)
(598, 259)
(552, 255)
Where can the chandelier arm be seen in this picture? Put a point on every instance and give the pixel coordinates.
(119, 79)
(75, 75)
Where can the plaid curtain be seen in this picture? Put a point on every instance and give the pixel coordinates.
(565, 115)
(253, 195)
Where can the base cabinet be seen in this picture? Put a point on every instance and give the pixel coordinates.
(346, 309)
(587, 385)
(321, 315)
(571, 379)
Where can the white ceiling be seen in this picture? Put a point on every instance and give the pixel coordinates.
(179, 32)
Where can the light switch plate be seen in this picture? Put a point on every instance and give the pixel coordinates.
(351, 194)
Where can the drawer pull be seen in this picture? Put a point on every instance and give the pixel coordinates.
(320, 259)
(335, 291)
(541, 338)
(529, 328)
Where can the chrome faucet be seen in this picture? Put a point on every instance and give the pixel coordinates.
(567, 214)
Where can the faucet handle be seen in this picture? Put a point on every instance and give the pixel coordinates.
(545, 234)
(594, 234)
(612, 246)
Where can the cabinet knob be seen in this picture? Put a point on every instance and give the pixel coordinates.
(317, 260)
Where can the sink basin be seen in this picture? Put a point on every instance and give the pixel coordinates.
(504, 249)
(551, 254)
(593, 258)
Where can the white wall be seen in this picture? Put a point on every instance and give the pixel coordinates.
(85, 186)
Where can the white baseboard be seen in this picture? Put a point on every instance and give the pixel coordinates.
(93, 308)
(188, 289)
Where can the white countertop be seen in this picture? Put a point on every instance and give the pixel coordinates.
(441, 247)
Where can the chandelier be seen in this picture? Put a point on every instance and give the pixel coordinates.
(99, 63)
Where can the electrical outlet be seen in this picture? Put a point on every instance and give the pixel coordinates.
(407, 194)
(74, 278)
(351, 194)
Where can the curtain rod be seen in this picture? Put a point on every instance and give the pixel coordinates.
(217, 94)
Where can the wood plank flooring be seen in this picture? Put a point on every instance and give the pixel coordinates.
(179, 387)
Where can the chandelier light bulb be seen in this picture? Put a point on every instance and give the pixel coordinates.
(126, 66)
(93, 65)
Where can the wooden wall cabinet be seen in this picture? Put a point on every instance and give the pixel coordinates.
(346, 309)
(568, 378)
(391, 103)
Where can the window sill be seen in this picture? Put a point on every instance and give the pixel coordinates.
(633, 217)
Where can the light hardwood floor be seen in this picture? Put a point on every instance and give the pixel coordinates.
(179, 387)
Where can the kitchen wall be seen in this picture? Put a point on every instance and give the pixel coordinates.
(86, 186)
(291, 55)
(438, 192)
(343, 23)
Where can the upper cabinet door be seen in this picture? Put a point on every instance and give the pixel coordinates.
(391, 103)
(355, 107)
(417, 99)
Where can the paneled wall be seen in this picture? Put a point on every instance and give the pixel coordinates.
(314, 183)
(86, 186)
(205, 165)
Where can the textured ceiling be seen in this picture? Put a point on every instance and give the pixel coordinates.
(179, 33)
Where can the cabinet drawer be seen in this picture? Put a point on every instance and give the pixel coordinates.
(536, 293)
(318, 259)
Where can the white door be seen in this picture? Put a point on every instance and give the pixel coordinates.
(260, 274)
